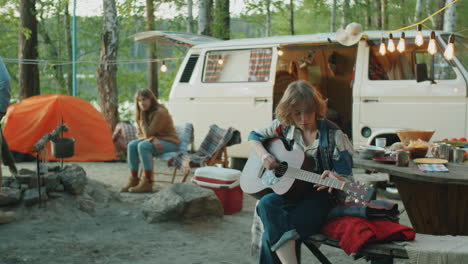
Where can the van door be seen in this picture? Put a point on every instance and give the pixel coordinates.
(388, 97)
(228, 87)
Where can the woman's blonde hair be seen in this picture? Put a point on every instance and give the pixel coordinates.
(147, 93)
(300, 93)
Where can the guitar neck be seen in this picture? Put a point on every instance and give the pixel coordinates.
(315, 178)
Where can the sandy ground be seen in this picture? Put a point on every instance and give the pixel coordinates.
(116, 231)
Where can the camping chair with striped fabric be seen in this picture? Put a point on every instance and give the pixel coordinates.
(212, 151)
(185, 133)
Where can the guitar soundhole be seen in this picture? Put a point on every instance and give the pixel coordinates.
(281, 169)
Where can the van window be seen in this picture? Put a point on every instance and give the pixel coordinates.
(188, 70)
(442, 69)
(248, 65)
(400, 66)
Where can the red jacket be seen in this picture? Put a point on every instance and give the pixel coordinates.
(355, 232)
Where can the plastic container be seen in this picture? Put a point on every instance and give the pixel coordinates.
(225, 183)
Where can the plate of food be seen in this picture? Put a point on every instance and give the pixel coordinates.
(385, 159)
(430, 161)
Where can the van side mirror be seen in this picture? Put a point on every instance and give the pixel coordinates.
(421, 72)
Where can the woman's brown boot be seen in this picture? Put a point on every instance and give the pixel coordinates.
(145, 185)
(132, 181)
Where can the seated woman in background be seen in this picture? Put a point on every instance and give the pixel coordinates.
(156, 134)
(301, 124)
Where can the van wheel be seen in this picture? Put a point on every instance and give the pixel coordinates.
(238, 163)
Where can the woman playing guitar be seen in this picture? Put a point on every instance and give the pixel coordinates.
(301, 124)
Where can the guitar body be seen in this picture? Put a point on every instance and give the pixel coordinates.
(251, 180)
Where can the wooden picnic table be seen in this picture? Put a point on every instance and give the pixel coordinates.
(436, 202)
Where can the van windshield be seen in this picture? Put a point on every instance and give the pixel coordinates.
(247, 65)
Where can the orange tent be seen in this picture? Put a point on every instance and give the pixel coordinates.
(28, 120)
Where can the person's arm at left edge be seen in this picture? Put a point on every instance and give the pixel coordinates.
(4, 89)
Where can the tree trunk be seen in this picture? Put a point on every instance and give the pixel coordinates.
(345, 17)
(449, 17)
(368, 15)
(209, 17)
(440, 17)
(54, 51)
(333, 17)
(378, 14)
(418, 11)
(268, 18)
(221, 20)
(28, 72)
(384, 14)
(69, 48)
(152, 71)
(190, 16)
(291, 17)
(203, 17)
(107, 70)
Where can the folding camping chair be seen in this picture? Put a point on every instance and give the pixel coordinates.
(185, 133)
(212, 151)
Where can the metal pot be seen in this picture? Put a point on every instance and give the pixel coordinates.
(63, 147)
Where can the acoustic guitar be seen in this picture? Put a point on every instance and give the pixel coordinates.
(292, 177)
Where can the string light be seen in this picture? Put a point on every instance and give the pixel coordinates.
(419, 40)
(432, 48)
(450, 50)
(163, 67)
(401, 43)
(220, 60)
(391, 44)
(382, 49)
(280, 52)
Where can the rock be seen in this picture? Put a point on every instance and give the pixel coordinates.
(163, 206)
(73, 179)
(26, 176)
(31, 196)
(180, 200)
(6, 181)
(7, 217)
(86, 205)
(10, 196)
(52, 182)
(198, 201)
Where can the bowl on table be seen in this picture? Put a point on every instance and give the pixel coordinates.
(417, 152)
(407, 135)
(369, 152)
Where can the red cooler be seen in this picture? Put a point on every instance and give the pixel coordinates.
(225, 183)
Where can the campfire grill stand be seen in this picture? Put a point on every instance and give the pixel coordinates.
(40, 145)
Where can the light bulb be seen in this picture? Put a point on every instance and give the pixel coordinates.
(280, 52)
(401, 43)
(382, 49)
(419, 40)
(432, 48)
(391, 44)
(163, 67)
(220, 60)
(450, 50)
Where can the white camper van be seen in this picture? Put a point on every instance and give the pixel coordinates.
(239, 82)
